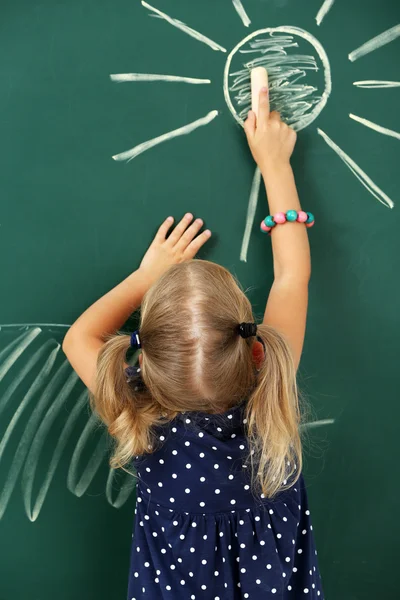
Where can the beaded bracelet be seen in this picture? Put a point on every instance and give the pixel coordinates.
(291, 216)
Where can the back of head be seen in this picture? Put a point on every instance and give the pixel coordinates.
(193, 359)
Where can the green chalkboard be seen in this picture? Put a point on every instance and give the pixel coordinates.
(75, 221)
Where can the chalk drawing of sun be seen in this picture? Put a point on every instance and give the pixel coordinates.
(300, 85)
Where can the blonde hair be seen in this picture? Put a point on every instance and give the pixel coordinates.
(195, 360)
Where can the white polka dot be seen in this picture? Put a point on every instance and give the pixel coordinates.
(246, 487)
(146, 564)
(257, 518)
(306, 590)
(307, 512)
(182, 582)
(187, 491)
(182, 537)
(304, 531)
(287, 559)
(163, 551)
(204, 562)
(289, 587)
(190, 574)
(271, 512)
(245, 421)
(243, 570)
(258, 581)
(157, 580)
(262, 543)
(175, 523)
(148, 469)
(230, 476)
(233, 501)
(159, 484)
(136, 574)
(299, 551)
(216, 466)
(187, 443)
(174, 475)
(254, 557)
(219, 429)
(279, 535)
(201, 434)
(269, 566)
(202, 479)
(214, 447)
(242, 545)
(233, 435)
(194, 524)
(188, 466)
(179, 560)
(175, 452)
(241, 522)
(146, 517)
(187, 420)
(284, 519)
(168, 587)
(273, 591)
(318, 593)
(294, 569)
(221, 534)
(216, 573)
(172, 567)
(174, 429)
(283, 574)
(203, 587)
(154, 534)
(246, 595)
(202, 503)
(205, 537)
(217, 491)
(229, 457)
(202, 455)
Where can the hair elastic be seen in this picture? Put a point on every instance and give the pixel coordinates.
(289, 217)
(247, 330)
(135, 340)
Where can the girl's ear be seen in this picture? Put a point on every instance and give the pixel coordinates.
(140, 360)
(258, 353)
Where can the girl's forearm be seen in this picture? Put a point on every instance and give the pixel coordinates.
(290, 244)
(112, 310)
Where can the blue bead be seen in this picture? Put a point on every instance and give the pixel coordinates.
(310, 218)
(269, 221)
(291, 215)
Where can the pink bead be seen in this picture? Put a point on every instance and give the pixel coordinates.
(265, 227)
(280, 218)
(302, 216)
(310, 224)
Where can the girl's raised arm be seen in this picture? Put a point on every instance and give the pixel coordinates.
(272, 142)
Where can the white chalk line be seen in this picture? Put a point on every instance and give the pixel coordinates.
(377, 42)
(128, 155)
(125, 491)
(24, 341)
(323, 11)
(286, 81)
(79, 487)
(124, 77)
(376, 83)
(38, 442)
(375, 126)
(251, 212)
(179, 25)
(241, 12)
(320, 423)
(358, 172)
(30, 431)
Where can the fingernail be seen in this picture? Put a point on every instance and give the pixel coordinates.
(208, 232)
(264, 90)
(199, 221)
(188, 216)
(170, 219)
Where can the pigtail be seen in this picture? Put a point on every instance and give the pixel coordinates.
(123, 403)
(273, 418)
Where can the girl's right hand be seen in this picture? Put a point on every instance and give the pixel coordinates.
(271, 141)
(181, 245)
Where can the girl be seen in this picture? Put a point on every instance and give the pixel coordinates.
(210, 418)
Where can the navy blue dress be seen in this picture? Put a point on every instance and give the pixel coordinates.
(200, 534)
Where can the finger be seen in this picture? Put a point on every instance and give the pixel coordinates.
(164, 228)
(274, 115)
(250, 124)
(180, 229)
(189, 235)
(263, 107)
(197, 243)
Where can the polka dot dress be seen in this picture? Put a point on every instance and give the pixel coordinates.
(201, 534)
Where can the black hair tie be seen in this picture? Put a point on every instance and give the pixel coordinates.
(247, 330)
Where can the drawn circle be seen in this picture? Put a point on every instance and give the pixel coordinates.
(317, 105)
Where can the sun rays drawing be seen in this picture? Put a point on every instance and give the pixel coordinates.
(300, 86)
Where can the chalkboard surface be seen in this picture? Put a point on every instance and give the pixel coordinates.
(75, 221)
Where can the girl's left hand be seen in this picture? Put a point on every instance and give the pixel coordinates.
(180, 246)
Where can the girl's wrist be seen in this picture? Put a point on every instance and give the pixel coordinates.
(273, 170)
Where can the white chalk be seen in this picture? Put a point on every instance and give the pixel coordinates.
(259, 79)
